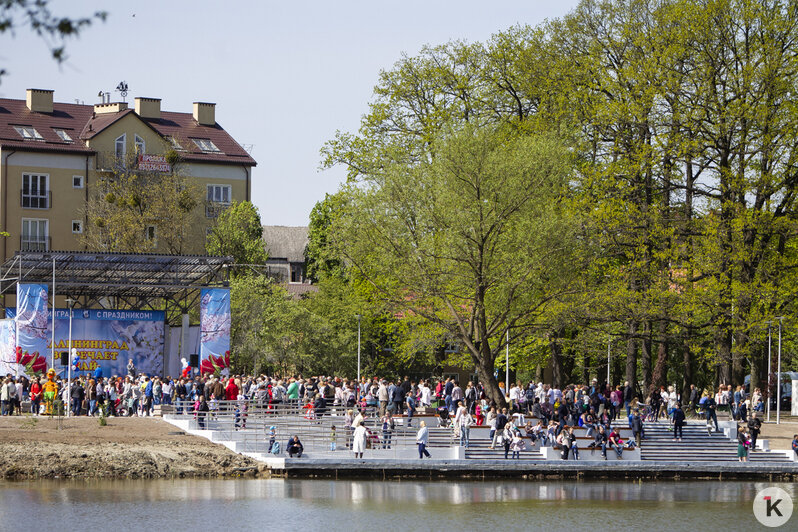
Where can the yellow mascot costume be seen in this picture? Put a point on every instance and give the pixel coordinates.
(50, 391)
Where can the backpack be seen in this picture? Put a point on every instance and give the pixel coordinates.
(275, 448)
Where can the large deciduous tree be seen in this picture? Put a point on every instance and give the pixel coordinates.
(475, 240)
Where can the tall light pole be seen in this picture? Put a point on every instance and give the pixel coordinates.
(52, 323)
(507, 364)
(357, 386)
(770, 356)
(69, 302)
(609, 354)
(778, 379)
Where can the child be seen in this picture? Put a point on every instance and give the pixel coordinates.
(213, 406)
(272, 438)
(332, 438)
(795, 443)
(517, 445)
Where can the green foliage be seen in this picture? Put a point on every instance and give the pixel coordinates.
(128, 201)
(238, 233)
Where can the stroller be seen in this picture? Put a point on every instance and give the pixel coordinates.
(443, 417)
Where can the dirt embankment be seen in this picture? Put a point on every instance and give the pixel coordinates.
(125, 448)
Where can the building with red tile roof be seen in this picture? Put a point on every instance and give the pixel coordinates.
(52, 156)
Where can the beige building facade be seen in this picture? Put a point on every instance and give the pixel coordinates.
(53, 154)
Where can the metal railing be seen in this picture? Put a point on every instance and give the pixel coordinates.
(249, 428)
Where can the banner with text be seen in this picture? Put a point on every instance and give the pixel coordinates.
(215, 326)
(8, 344)
(108, 339)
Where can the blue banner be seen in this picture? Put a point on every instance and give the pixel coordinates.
(107, 339)
(32, 317)
(8, 344)
(215, 325)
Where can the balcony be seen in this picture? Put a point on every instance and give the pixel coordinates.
(34, 243)
(214, 209)
(36, 201)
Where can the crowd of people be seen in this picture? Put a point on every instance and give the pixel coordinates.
(557, 411)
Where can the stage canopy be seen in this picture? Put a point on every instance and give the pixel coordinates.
(119, 280)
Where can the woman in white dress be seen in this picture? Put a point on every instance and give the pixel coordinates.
(359, 441)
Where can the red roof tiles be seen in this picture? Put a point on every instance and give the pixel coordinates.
(82, 124)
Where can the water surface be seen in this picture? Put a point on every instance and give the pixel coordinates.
(287, 505)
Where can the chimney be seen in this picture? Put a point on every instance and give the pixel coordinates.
(205, 113)
(105, 108)
(148, 107)
(39, 100)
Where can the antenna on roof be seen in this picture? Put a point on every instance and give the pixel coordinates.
(122, 89)
(248, 148)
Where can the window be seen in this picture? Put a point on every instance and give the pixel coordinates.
(77, 226)
(34, 235)
(218, 199)
(176, 145)
(120, 147)
(28, 133)
(35, 194)
(219, 193)
(63, 135)
(296, 272)
(206, 145)
(141, 147)
(150, 233)
(77, 181)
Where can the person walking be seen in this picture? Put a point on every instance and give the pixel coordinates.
(754, 426)
(742, 443)
(637, 427)
(710, 405)
(678, 422)
(422, 440)
(387, 429)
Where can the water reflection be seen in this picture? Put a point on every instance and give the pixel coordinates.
(407, 502)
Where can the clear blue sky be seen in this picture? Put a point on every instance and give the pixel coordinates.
(284, 75)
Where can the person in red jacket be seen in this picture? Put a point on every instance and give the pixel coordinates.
(231, 392)
(35, 396)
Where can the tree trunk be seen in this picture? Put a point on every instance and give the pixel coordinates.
(661, 368)
(485, 369)
(645, 358)
(631, 355)
(687, 365)
(556, 362)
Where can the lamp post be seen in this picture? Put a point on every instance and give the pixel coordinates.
(769, 370)
(778, 379)
(69, 302)
(357, 386)
(507, 364)
(609, 354)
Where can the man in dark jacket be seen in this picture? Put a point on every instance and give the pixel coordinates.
(294, 447)
(754, 426)
(711, 414)
(678, 422)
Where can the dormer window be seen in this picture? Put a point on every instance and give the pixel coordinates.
(28, 133)
(141, 147)
(176, 145)
(63, 135)
(206, 145)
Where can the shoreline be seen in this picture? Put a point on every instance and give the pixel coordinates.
(127, 448)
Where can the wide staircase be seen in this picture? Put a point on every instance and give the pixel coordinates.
(697, 446)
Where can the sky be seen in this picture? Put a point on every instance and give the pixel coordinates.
(285, 76)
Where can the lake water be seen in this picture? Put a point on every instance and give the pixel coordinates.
(288, 505)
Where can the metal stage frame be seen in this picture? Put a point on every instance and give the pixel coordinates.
(137, 281)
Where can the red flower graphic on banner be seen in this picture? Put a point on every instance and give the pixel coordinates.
(214, 364)
(35, 364)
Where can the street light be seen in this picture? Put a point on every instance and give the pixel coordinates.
(778, 379)
(770, 357)
(70, 302)
(507, 364)
(357, 386)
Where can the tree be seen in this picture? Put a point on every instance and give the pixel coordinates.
(238, 233)
(475, 241)
(134, 211)
(37, 16)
